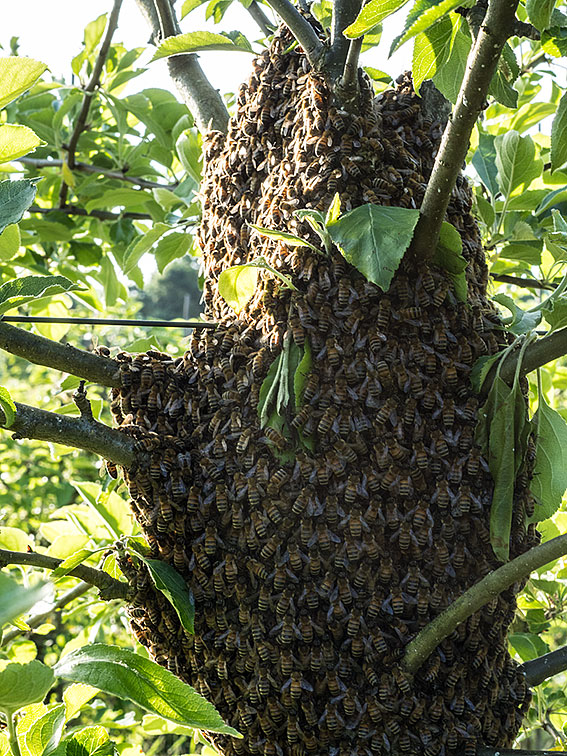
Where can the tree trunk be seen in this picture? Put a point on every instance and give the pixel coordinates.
(317, 548)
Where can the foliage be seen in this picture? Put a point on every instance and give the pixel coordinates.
(130, 193)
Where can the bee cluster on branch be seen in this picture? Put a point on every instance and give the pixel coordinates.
(316, 554)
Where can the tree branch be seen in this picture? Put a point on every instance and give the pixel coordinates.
(542, 351)
(260, 18)
(89, 90)
(427, 640)
(86, 168)
(100, 214)
(481, 65)
(79, 432)
(301, 29)
(546, 666)
(109, 587)
(348, 84)
(344, 13)
(202, 99)
(527, 283)
(38, 619)
(64, 357)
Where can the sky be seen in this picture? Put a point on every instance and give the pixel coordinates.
(53, 32)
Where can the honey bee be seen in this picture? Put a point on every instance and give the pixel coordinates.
(275, 437)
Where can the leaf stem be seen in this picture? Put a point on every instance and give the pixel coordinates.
(12, 736)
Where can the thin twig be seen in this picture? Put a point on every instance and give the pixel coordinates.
(64, 357)
(260, 18)
(527, 283)
(109, 587)
(301, 29)
(89, 91)
(99, 214)
(546, 666)
(427, 640)
(39, 619)
(481, 66)
(86, 168)
(111, 322)
(197, 92)
(77, 432)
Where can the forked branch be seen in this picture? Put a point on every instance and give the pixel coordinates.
(78, 432)
(427, 640)
(344, 13)
(481, 66)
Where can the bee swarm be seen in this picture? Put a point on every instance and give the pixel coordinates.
(311, 576)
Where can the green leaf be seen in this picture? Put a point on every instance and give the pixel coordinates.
(16, 141)
(170, 247)
(125, 674)
(528, 646)
(559, 136)
(549, 481)
(502, 433)
(449, 76)
(422, 15)
(17, 292)
(111, 508)
(9, 242)
(75, 697)
(200, 40)
(522, 321)
(268, 390)
(448, 255)
(189, 5)
(516, 161)
(7, 406)
(302, 373)
(72, 561)
(484, 162)
(16, 599)
(93, 33)
(167, 580)
(506, 74)
(290, 239)
(431, 50)
(237, 286)
(90, 741)
(374, 239)
(43, 737)
(539, 12)
(14, 539)
(334, 209)
(140, 245)
(371, 14)
(23, 684)
(16, 76)
(15, 198)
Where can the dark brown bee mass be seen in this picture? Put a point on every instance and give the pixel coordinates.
(311, 576)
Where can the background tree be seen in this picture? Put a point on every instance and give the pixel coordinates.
(132, 140)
